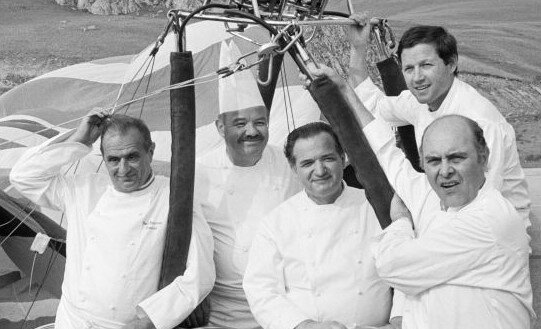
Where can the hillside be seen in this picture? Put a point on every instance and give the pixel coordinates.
(502, 34)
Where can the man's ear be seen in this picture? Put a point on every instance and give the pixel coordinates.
(485, 156)
(151, 150)
(453, 64)
(345, 161)
(220, 126)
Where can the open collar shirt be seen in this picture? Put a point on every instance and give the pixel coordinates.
(234, 200)
(312, 261)
(505, 172)
(114, 244)
(462, 268)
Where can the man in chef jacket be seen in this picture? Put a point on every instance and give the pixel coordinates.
(116, 229)
(310, 266)
(429, 61)
(237, 185)
(456, 247)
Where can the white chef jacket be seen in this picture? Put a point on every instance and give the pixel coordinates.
(114, 244)
(312, 261)
(234, 200)
(462, 268)
(505, 172)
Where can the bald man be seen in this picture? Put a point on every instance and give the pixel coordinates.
(429, 60)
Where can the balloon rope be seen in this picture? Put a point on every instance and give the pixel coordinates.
(121, 89)
(110, 109)
(210, 77)
(16, 227)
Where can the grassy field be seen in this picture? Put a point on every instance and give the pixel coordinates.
(502, 35)
(37, 36)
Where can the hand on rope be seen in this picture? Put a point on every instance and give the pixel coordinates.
(358, 34)
(320, 71)
(359, 37)
(90, 127)
(371, 29)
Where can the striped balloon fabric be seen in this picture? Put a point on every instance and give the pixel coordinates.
(61, 97)
(53, 103)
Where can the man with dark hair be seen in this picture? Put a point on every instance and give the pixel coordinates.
(457, 248)
(116, 229)
(443, 42)
(429, 60)
(310, 266)
(309, 130)
(123, 123)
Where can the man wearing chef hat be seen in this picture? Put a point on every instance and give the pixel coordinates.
(238, 184)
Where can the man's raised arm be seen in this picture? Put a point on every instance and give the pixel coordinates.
(392, 109)
(408, 183)
(36, 175)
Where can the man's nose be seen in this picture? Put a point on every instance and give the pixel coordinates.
(251, 129)
(418, 74)
(123, 166)
(320, 168)
(447, 169)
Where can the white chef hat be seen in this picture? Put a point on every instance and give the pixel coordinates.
(238, 91)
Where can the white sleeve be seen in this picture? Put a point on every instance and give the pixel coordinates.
(450, 252)
(265, 287)
(504, 170)
(412, 186)
(395, 110)
(171, 305)
(37, 174)
(398, 304)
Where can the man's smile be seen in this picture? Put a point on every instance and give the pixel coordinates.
(448, 186)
